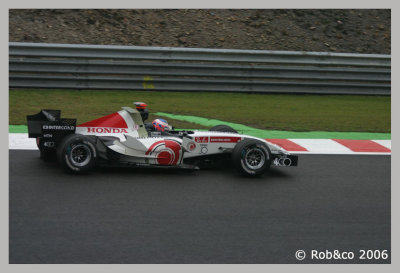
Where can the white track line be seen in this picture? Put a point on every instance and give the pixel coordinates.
(384, 143)
(338, 153)
(21, 142)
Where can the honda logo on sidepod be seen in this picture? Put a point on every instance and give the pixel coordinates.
(101, 130)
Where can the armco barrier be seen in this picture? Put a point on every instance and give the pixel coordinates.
(37, 65)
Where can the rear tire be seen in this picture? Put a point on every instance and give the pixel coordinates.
(77, 153)
(251, 157)
(223, 128)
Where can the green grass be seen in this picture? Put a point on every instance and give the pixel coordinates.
(272, 112)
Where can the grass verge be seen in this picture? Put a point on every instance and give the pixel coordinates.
(336, 113)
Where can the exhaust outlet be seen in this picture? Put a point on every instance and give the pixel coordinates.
(285, 161)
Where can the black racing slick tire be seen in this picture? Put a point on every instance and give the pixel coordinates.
(251, 157)
(77, 153)
(223, 128)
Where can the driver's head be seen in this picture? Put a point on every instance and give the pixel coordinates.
(160, 125)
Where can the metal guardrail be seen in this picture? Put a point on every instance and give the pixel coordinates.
(33, 65)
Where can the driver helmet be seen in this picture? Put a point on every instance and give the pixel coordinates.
(160, 125)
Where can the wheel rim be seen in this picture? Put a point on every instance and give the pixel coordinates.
(80, 155)
(254, 158)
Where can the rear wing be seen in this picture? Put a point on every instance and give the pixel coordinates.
(49, 124)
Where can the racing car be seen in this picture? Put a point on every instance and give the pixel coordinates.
(124, 138)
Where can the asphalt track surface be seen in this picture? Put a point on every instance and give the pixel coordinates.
(328, 202)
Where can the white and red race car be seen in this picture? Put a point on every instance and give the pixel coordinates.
(122, 138)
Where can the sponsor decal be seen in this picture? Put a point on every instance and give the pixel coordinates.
(191, 146)
(224, 139)
(58, 127)
(167, 152)
(105, 130)
(49, 144)
(201, 139)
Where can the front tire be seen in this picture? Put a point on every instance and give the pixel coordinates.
(77, 153)
(251, 157)
(223, 128)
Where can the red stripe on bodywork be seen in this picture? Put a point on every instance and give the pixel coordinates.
(287, 145)
(363, 145)
(151, 148)
(224, 139)
(112, 121)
